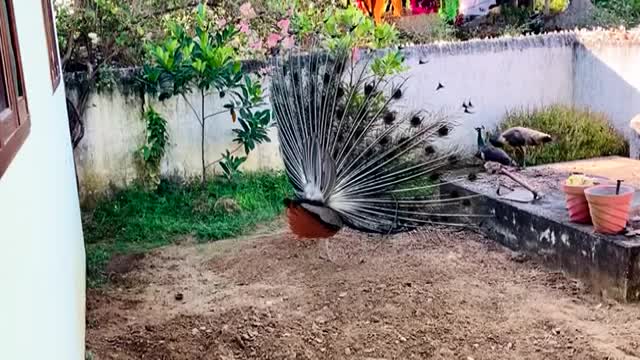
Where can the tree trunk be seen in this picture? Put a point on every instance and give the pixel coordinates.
(202, 130)
(547, 9)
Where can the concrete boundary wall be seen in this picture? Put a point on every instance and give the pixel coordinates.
(598, 69)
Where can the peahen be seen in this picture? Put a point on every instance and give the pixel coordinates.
(520, 137)
(353, 161)
(489, 153)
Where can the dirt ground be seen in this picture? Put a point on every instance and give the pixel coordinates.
(444, 294)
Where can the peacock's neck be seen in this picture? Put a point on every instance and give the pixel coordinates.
(480, 139)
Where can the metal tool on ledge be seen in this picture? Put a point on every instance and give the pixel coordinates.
(528, 194)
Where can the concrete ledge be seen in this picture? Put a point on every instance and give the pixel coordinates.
(609, 264)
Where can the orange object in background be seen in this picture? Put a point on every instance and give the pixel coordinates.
(377, 8)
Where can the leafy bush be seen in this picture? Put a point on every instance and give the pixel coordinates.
(425, 28)
(555, 6)
(577, 134)
(617, 12)
(150, 154)
(201, 59)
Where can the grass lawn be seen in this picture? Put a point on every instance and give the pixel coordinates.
(135, 220)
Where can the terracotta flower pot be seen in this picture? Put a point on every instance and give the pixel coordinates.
(609, 212)
(577, 204)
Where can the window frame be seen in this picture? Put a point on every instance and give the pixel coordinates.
(15, 123)
(55, 69)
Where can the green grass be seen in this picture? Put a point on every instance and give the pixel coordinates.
(611, 13)
(578, 134)
(135, 220)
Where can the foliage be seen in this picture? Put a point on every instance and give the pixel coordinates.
(578, 134)
(135, 219)
(510, 21)
(426, 28)
(617, 13)
(205, 61)
(264, 35)
(391, 63)
(350, 28)
(151, 153)
(449, 9)
(86, 34)
(230, 165)
(555, 6)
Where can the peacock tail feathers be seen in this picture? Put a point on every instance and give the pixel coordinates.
(347, 145)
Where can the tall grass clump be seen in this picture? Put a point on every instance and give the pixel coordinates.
(577, 134)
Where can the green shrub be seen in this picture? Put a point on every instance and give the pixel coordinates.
(555, 6)
(611, 13)
(577, 134)
(425, 28)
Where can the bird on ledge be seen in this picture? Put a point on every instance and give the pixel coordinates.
(519, 138)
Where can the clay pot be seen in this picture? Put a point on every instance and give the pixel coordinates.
(577, 204)
(609, 212)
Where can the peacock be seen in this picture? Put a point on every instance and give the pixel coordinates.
(520, 137)
(353, 161)
(489, 153)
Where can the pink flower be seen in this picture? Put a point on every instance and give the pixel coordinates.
(247, 12)
(288, 42)
(272, 40)
(355, 54)
(222, 22)
(264, 71)
(256, 44)
(243, 27)
(284, 26)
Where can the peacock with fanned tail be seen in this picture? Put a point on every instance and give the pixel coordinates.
(352, 160)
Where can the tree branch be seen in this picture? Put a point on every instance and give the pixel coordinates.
(195, 112)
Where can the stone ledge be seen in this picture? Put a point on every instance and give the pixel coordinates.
(608, 264)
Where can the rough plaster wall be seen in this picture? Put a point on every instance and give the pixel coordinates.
(497, 75)
(183, 156)
(607, 79)
(114, 131)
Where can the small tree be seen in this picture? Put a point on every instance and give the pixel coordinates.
(204, 61)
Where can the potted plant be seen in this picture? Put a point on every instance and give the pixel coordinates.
(575, 199)
(609, 207)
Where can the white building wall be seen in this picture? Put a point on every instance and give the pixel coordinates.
(607, 79)
(42, 262)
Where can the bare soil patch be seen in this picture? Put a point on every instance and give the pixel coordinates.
(436, 295)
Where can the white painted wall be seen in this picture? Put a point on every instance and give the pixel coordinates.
(607, 79)
(114, 130)
(496, 75)
(42, 262)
